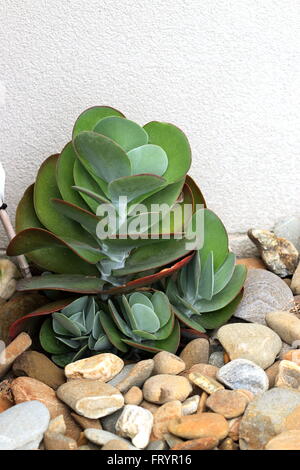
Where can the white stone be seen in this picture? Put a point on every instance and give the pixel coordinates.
(190, 405)
(103, 366)
(135, 422)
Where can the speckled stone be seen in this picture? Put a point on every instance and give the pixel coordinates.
(264, 292)
(244, 374)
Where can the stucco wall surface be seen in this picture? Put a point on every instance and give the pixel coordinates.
(226, 72)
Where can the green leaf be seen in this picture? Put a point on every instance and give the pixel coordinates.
(218, 318)
(62, 360)
(161, 334)
(228, 294)
(45, 189)
(69, 342)
(215, 239)
(106, 159)
(148, 159)
(64, 282)
(162, 308)
(191, 322)
(48, 340)
(83, 217)
(206, 284)
(65, 178)
(124, 132)
(174, 142)
(139, 298)
(84, 180)
(67, 323)
(134, 186)
(170, 344)
(121, 324)
(77, 306)
(112, 333)
(224, 273)
(90, 118)
(145, 318)
(97, 197)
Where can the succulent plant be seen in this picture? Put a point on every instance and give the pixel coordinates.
(109, 157)
(208, 290)
(142, 320)
(74, 332)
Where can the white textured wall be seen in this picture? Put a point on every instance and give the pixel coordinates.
(226, 71)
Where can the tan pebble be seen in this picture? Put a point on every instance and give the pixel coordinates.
(27, 389)
(56, 441)
(149, 406)
(285, 324)
(288, 281)
(202, 402)
(199, 425)
(172, 440)
(12, 351)
(162, 416)
(272, 373)
(204, 443)
(37, 366)
(195, 352)
(288, 375)
(117, 444)
(234, 428)
(246, 393)
(137, 375)
(163, 388)
(292, 421)
(293, 355)
(228, 403)
(167, 363)
(86, 423)
(9, 274)
(90, 398)
(288, 440)
(101, 366)
(57, 425)
(252, 263)
(226, 358)
(134, 396)
(228, 444)
(82, 440)
(5, 404)
(206, 383)
(295, 284)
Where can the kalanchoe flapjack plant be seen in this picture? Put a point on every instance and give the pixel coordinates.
(208, 290)
(141, 320)
(109, 157)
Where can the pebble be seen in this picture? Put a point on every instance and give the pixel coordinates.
(205, 369)
(292, 355)
(135, 422)
(101, 366)
(90, 398)
(134, 396)
(162, 388)
(195, 352)
(289, 228)
(172, 440)
(295, 284)
(157, 445)
(190, 405)
(25, 389)
(252, 263)
(234, 428)
(9, 274)
(228, 444)
(264, 292)
(251, 341)
(244, 374)
(199, 425)
(86, 423)
(12, 351)
(23, 426)
(279, 254)
(6, 396)
(163, 415)
(119, 377)
(149, 406)
(268, 415)
(216, 359)
(56, 441)
(288, 375)
(205, 382)
(109, 422)
(228, 403)
(57, 425)
(37, 366)
(204, 443)
(168, 363)
(100, 437)
(285, 324)
(136, 376)
(288, 440)
(18, 306)
(117, 444)
(272, 373)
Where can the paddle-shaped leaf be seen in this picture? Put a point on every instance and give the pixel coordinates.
(161, 306)
(83, 179)
(224, 273)
(206, 282)
(124, 132)
(148, 159)
(90, 118)
(134, 187)
(145, 318)
(106, 159)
